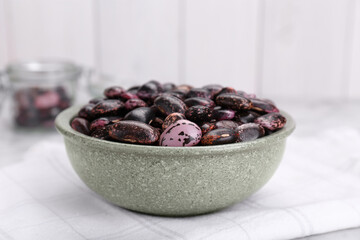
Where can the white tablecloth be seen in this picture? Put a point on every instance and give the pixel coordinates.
(315, 190)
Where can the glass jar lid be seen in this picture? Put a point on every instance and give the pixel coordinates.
(42, 70)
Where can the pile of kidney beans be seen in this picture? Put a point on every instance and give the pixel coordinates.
(38, 107)
(178, 116)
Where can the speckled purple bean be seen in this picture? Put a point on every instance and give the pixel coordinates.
(134, 132)
(249, 132)
(271, 121)
(81, 125)
(170, 104)
(199, 101)
(220, 113)
(141, 114)
(182, 133)
(199, 113)
(110, 107)
(134, 103)
(172, 118)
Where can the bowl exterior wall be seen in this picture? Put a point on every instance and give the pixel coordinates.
(174, 185)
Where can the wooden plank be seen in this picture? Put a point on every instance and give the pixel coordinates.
(354, 86)
(139, 40)
(221, 43)
(304, 49)
(51, 29)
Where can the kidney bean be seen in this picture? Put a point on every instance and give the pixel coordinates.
(128, 95)
(172, 118)
(226, 90)
(178, 93)
(246, 95)
(246, 116)
(149, 90)
(134, 103)
(219, 136)
(233, 101)
(198, 113)
(102, 133)
(199, 101)
(85, 111)
(134, 132)
(249, 132)
(170, 104)
(113, 92)
(141, 114)
(99, 123)
(168, 87)
(157, 123)
(81, 125)
(214, 89)
(110, 107)
(271, 121)
(198, 92)
(133, 89)
(207, 127)
(182, 133)
(223, 114)
(96, 100)
(226, 124)
(263, 106)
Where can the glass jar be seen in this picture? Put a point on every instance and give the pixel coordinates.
(40, 90)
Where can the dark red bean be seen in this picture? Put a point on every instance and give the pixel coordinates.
(133, 89)
(198, 92)
(128, 95)
(134, 103)
(102, 133)
(226, 124)
(219, 136)
(85, 111)
(141, 114)
(170, 104)
(246, 116)
(157, 123)
(168, 87)
(108, 108)
(246, 95)
(271, 121)
(96, 100)
(99, 123)
(81, 125)
(233, 101)
(223, 114)
(249, 132)
(263, 106)
(149, 90)
(199, 113)
(172, 118)
(178, 93)
(113, 92)
(199, 101)
(226, 90)
(207, 127)
(214, 89)
(134, 132)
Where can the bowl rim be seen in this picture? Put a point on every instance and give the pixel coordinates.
(62, 124)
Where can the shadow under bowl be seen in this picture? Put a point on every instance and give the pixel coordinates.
(173, 181)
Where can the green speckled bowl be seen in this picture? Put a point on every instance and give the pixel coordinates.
(173, 181)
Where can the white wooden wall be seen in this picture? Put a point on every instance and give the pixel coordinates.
(277, 48)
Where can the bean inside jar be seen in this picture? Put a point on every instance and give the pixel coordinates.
(178, 116)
